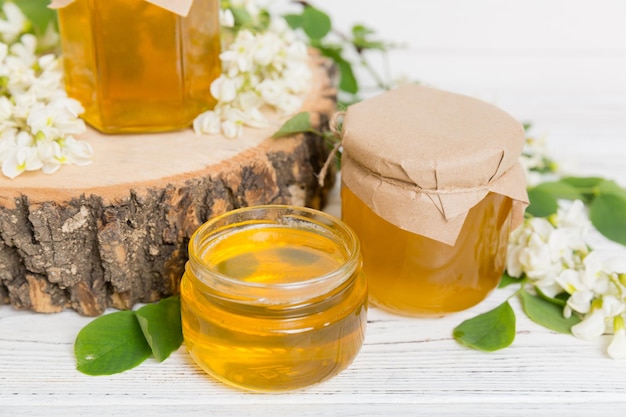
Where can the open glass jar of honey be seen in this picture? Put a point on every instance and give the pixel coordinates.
(273, 297)
(140, 65)
(432, 186)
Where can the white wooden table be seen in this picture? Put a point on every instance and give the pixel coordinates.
(558, 63)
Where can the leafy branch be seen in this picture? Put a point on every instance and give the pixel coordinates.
(606, 202)
(339, 47)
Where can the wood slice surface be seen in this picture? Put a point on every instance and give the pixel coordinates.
(115, 233)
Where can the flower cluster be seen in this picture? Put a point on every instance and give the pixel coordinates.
(264, 70)
(554, 256)
(37, 119)
(536, 161)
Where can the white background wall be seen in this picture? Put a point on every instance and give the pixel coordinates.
(558, 63)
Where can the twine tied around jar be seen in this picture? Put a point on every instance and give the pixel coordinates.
(335, 125)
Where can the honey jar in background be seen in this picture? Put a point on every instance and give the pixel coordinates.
(136, 66)
(273, 298)
(432, 186)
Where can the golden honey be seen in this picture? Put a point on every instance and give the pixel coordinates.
(273, 298)
(136, 67)
(413, 275)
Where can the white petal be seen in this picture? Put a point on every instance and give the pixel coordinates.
(580, 301)
(207, 123)
(573, 215)
(541, 227)
(226, 18)
(231, 129)
(79, 152)
(11, 169)
(570, 280)
(51, 167)
(591, 327)
(611, 306)
(617, 347)
(615, 264)
(513, 263)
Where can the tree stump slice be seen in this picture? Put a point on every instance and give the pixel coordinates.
(115, 233)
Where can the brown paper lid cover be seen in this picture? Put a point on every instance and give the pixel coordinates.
(421, 158)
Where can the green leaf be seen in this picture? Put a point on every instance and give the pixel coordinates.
(508, 280)
(608, 215)
(543, 198)
(300, 123)
(111, 344)
(241, 15)
(610, 187)
(587, 186)
(542, 203)
(546, 313)
(347, 80)
(583, 183)
(489, 331)
(331, 51)
(315, 23)
(264, 19)
(161, 326)
(294, 20)
(360, 39)
(559, 299)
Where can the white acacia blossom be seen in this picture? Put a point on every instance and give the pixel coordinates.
(554, 256)
(266, 70)
(37, 119)
(536, 161)
(14, 23)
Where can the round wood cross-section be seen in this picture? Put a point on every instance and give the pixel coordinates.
(115, 233)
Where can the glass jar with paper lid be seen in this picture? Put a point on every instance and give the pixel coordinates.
(140, 65)
(432, 186)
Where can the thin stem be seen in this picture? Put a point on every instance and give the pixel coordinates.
(521, 288)
(379, 80)
(329, 160)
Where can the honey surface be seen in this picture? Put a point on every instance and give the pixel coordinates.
(137, 67)
(413, 275)
(269, 347)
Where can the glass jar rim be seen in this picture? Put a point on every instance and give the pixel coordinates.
(275, 293)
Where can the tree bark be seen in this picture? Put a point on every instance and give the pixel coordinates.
(115, 233)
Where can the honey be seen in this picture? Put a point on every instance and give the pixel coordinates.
(432, 186)
(411, 274)
(273, 298)
(136, 67)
